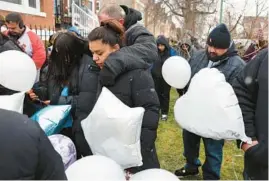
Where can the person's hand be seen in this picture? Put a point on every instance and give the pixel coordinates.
(246, 146)
(32, 95)
(46, 102)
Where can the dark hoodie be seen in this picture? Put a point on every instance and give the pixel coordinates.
(139, 43)
(135, 88)
(157, 66)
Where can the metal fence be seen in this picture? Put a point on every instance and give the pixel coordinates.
(45, 32)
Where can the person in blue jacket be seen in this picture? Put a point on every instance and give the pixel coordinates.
(163, 89)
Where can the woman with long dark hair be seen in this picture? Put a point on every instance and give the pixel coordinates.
(71, 81)
(135, 87)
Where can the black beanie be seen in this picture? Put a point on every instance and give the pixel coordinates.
(219, 37)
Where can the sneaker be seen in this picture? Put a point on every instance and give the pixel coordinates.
(183, 172)
(164, 117)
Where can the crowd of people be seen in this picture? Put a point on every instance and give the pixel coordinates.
(125, 57)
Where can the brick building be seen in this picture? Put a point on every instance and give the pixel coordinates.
(44, 13)
(34, 12)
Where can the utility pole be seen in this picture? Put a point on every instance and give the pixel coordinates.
(221, 11)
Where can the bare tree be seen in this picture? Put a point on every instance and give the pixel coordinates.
(232, 18)
(155, 15)
(259, 22)
(190, 11)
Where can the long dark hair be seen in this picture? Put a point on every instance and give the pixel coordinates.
(65, 56)
(110, 32)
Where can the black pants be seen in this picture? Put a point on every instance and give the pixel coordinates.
(163, 91)
(83, 148)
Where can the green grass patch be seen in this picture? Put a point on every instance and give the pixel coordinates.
(170, 149)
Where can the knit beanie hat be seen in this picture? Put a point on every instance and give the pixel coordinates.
(219, 37)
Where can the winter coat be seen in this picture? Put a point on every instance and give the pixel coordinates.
(162, 57)
(26, 152)
(82, 93)
(139, 42)
(135, 88)
(251, 88)
(8, 44)
(231, 65)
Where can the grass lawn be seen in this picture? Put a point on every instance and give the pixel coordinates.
(170, 149)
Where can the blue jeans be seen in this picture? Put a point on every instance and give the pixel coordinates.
(213, 151)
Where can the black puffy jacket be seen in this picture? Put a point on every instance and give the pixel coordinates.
(251, 88)
(26, 153)
(135, 88)
(7, 44)
(139, 43)
(82, 95)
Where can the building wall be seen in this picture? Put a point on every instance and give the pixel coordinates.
(44, 18)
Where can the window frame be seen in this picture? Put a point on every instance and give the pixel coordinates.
(22, 8)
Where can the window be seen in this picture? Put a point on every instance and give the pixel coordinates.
(97, 6)
(32, 7)
(32, 3)
(90, 5)
(12, 1)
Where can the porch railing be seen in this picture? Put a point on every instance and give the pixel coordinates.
(84, 21)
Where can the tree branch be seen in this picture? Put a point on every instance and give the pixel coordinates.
(170, 6)
(237, 22)
(205, 12)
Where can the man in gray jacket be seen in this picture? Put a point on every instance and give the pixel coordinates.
(220, 54)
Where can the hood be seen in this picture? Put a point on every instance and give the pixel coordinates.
(108, 74)
(186, 41)
(163, 41)
(132, 16)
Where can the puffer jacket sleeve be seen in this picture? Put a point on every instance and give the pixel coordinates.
(140, 43)
(50, 165)
(245, 87)
(144, 95)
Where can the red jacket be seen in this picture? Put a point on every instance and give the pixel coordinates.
(33, 46)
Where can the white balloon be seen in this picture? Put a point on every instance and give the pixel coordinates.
(154, 175)
(210, 108)
(12, 102)
(113, 130)
(176, 72)
(97, 168)
(17, 70)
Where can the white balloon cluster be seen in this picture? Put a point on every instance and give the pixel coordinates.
(100, 168)
(210, 107)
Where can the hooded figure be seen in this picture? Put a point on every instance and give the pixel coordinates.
(162, 88)
(186, 49)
